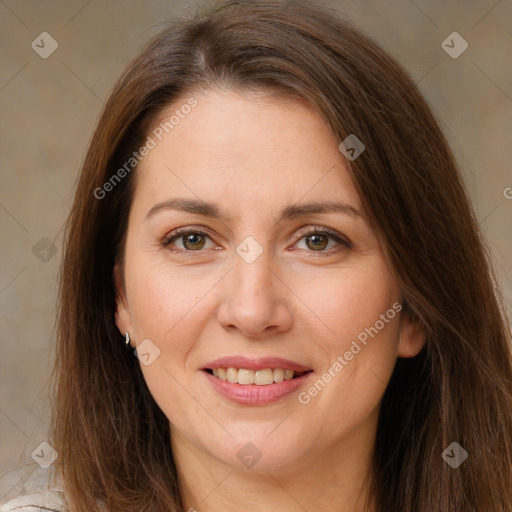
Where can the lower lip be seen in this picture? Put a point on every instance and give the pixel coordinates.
(252, 394)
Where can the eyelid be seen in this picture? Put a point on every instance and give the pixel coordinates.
(321, 230)
(176, 233)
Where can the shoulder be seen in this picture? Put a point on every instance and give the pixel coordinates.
(49, 500)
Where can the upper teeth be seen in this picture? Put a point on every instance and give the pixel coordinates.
(259, 377)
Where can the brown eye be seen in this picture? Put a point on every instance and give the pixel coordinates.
(193, 241)
(186, 240)
(322, 241)
(317, 242)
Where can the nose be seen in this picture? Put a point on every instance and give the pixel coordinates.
(255, 299)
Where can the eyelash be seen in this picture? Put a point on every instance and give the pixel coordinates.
(181, 232)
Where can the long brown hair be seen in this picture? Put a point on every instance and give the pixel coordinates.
(113, 440)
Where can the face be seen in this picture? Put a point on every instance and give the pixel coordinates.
(265, 309)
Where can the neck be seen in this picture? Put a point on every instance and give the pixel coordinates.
(333, 480)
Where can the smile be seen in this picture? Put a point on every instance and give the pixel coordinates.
(255, 382)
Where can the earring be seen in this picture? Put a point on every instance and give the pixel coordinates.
(127, 339)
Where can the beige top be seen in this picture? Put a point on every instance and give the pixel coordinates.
(47, 500)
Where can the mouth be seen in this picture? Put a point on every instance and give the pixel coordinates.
(247, 376)
(255, 381)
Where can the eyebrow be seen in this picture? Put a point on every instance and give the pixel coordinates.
(211, 210)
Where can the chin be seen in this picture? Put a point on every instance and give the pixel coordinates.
(260, 453)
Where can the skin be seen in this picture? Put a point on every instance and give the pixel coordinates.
(254, 155)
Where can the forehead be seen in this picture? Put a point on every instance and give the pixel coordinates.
(238, 149)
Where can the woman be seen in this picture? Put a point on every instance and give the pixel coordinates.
(271, 216)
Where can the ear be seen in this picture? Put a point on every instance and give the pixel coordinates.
(412, 335)
(122, 314)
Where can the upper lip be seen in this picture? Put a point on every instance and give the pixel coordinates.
(260, 363)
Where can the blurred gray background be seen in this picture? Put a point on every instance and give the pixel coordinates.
(49, 103)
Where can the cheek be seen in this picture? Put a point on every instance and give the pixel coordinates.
(166, 309)
(349, 302)
(360, 345)
(162, 298)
